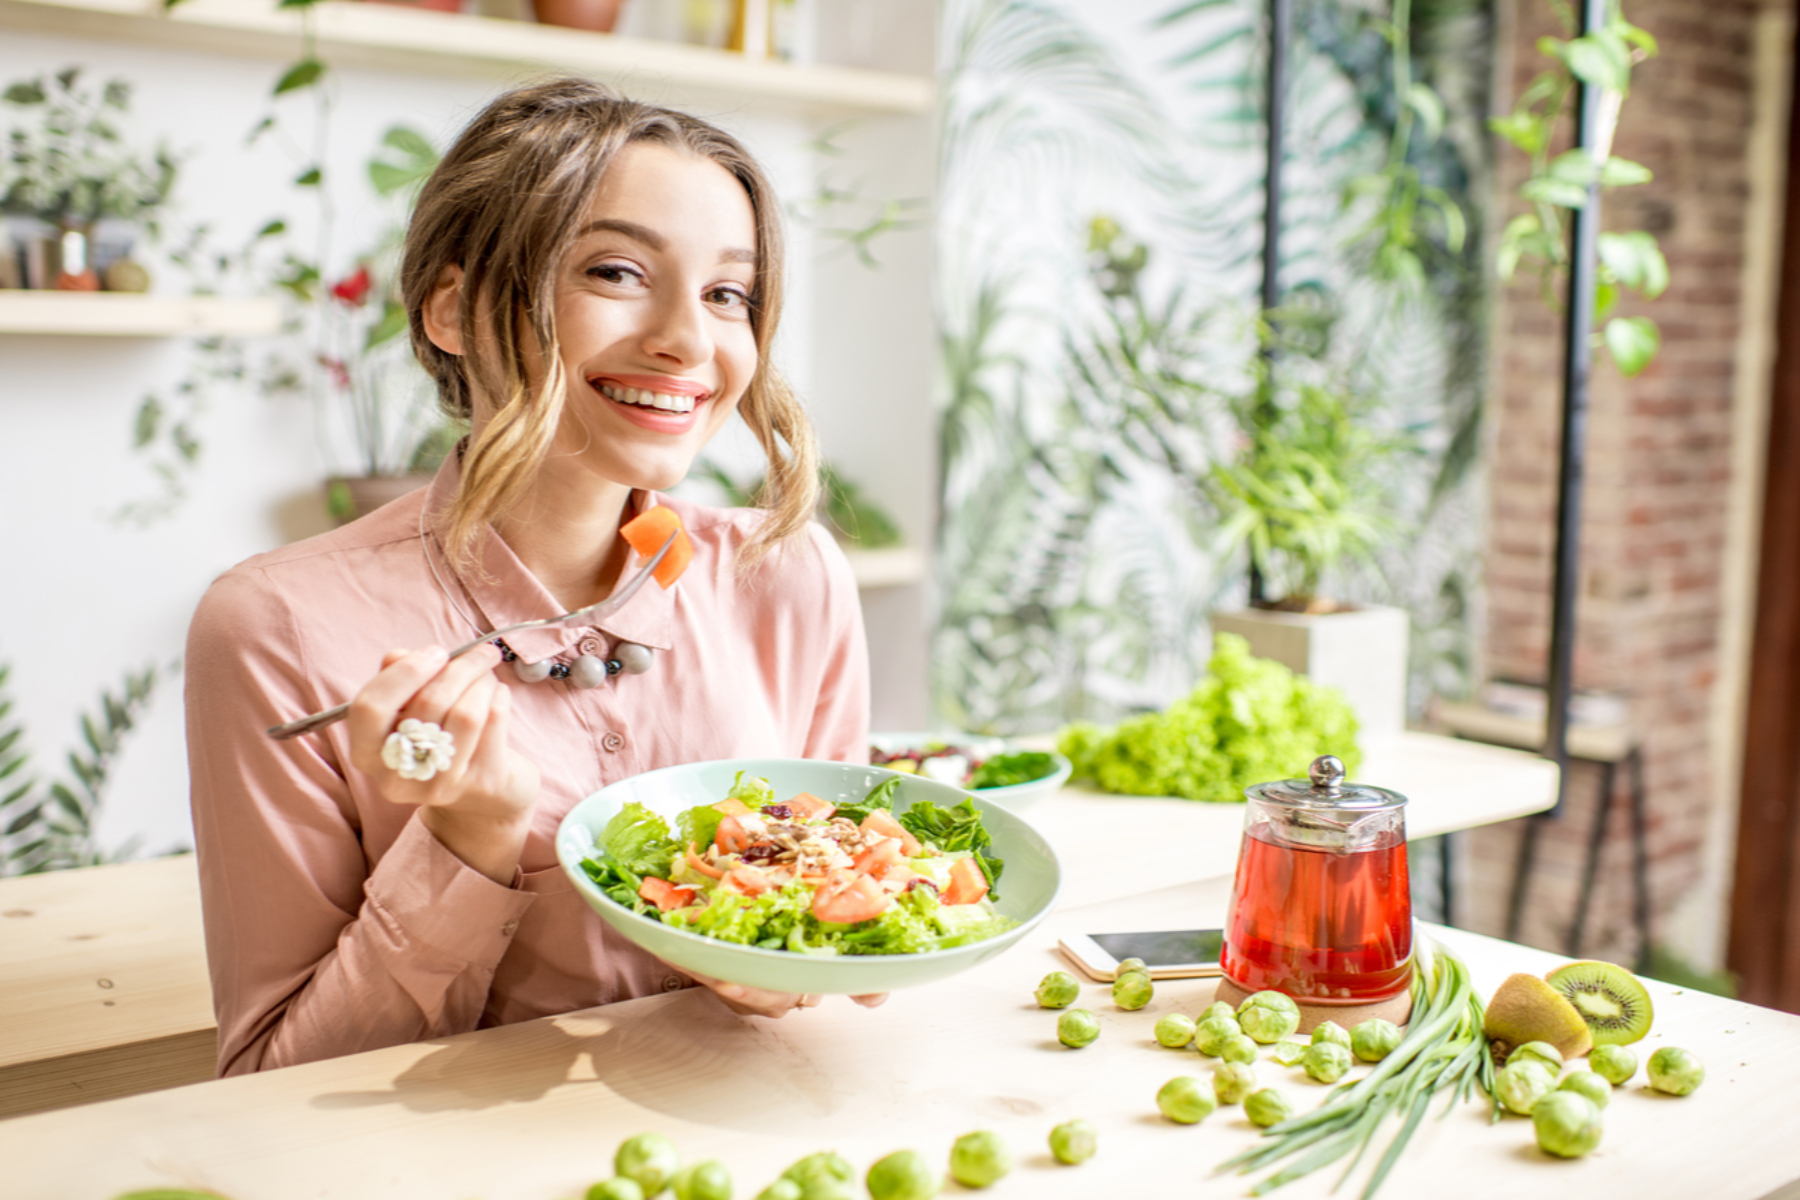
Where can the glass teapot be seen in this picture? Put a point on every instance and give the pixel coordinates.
(1320, 908)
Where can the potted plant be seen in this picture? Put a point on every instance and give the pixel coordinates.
(1305, 497)
(66, 167)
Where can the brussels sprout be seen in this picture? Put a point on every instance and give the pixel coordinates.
(1058, 989)
(1077, 1027)
(1186, 1099)
(1374, 1039)
(648, 1160)
(1073, 1142)
(823, 1176)
(707, 1180)
(1567, 1124)
(1267, 1107)
(903, 1175)
(1290, 1052)
(1589, 1084)
(1521, 1085)
(1326, 1061)
(1615, 1064)
(1674, 1071)
(1210, 1034)
(1268, 1017)
(1129, 965)
(616, 1188)
(782, 1189)
(1543, 1052)
(1133, 990)
(1174, 1030)
(1218, 1008)
(978, 1159)
(1238, 1049)
(1232, 1081)
(1331, 1031)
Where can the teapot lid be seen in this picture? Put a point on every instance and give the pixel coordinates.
(1326, 789)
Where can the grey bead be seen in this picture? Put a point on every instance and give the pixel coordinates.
(535, 672)
(634, 658)
(587, 671)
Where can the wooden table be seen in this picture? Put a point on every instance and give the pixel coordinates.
(103, 986)
(534, 1111)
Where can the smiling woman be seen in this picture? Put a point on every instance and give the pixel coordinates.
(594, 284)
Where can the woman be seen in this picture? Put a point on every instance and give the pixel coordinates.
(594, 283)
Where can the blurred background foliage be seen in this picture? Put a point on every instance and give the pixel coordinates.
(1100, 226)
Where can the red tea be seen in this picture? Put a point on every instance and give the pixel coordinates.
(1318, 924)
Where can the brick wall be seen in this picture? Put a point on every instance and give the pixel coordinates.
(1655, 512)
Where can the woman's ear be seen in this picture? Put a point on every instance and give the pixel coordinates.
(442, 325)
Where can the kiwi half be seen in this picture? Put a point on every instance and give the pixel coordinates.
(1609, 998)
(1526, 1009)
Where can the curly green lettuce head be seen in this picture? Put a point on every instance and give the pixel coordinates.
(1249, 721)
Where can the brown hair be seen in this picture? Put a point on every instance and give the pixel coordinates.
(504, 205)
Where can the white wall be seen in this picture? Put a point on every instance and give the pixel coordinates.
(83, 599)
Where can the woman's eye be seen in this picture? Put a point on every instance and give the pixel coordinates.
(728, 297)
(612, 273)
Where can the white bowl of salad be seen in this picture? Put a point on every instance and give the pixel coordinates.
(799, 875)
(992, 768)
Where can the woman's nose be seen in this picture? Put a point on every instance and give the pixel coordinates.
(678, 331)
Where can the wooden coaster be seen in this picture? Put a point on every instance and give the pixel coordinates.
(1397, 1009)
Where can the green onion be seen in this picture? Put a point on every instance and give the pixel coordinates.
(1443, 1050)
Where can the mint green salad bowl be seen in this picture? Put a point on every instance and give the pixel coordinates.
(1027, 887)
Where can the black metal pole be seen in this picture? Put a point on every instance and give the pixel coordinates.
(1280, 19)
(1578, 327)
(1577, 361)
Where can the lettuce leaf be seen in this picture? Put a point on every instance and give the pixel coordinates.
(880, 797)
(958, 828)
(698, 825)
(753, 791)
(637, 843)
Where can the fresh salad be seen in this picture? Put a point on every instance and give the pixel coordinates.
(950, 763)
(802, 875)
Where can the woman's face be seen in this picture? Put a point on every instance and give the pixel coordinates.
(653, 317)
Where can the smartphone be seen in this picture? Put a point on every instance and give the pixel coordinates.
(1176, 954)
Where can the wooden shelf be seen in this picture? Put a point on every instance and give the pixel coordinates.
(389, 37)
(893, 567)
(119, 314)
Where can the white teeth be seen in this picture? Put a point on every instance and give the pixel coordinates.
(644, 399)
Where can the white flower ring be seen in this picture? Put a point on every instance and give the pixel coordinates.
(419, 749)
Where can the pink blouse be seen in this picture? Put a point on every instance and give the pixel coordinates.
(335, 922)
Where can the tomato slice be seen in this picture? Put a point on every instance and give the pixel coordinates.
(664, 894)
(808, 807)
(880, 858)
(646, 534)
(732, 837)
(881, 821)
(747, 880)
(847, 897)
(967, 883)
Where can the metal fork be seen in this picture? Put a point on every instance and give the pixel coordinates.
(592, 612)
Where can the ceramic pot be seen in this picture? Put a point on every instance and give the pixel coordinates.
(1360, 651)
(350, 497)
(597, 15)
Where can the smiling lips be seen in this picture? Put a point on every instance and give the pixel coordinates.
(663, 401)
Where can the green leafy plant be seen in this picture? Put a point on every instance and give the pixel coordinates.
(67, 162)
(49, 827)
(1249, 721)
(1536, 241)
(847, 510)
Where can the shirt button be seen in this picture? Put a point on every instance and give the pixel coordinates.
(591, 643)
(612, 742)
(674, 983)
(510, 928)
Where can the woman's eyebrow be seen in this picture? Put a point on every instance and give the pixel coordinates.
(655, 240)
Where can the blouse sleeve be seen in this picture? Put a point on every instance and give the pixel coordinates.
(311, 953)
(840, 724)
